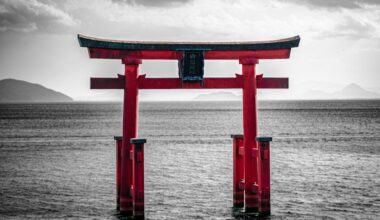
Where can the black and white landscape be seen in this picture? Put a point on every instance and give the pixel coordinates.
(57, 147)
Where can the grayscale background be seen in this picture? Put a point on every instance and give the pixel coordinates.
(57, 160)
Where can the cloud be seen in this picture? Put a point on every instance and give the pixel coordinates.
(194, 19)
(333, 4)
(216, 20)
(351, 28)
(154, 3)
(32, 15)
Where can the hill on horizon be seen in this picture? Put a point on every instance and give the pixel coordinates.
(217, 96)
(12, 90)
(350, 91)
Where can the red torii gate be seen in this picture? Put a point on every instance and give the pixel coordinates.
(251, 177)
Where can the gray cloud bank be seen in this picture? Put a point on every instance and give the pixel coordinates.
(33, 15)
(336, 3)
(65, 16)
(154, 3)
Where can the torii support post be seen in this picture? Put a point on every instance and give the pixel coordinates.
(250, 133)
(238, 171)
(138, 177)
(264, 175)
(119, 145)
(129, 131)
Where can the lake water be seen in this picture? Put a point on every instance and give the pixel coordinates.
(58, 160)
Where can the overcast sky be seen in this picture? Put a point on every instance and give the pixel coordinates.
(340, 39)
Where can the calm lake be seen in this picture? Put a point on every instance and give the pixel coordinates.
(58, 160)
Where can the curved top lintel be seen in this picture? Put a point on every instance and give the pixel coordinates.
(91, 42)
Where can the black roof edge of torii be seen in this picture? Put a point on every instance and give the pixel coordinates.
(91, 42)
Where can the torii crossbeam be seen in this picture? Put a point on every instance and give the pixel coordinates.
(251, 174)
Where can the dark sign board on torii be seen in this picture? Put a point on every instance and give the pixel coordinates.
(251, 162)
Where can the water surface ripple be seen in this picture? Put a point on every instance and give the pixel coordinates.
(58, 160)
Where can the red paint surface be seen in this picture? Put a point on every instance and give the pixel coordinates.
(176, 55)
(129, 131)
(138, 181)
(238, 172)
(264, 178)
(118, 171)
(250, 133)
(175, 83)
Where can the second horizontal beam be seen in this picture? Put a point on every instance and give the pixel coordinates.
(176, 83)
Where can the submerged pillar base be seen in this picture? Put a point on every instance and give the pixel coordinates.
(126, 206)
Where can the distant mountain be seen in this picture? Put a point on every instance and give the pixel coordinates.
(354, 91)
(218, 96)
(12, 90)
(351, 91)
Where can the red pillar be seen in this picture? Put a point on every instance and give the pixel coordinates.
(238, 171)
(138, 177)
(118, 140)
(129, 131)
(250, 133)
(264, 175)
